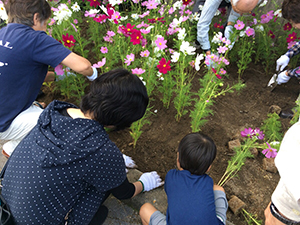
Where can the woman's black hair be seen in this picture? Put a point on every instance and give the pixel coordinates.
(197, 151)
(116, 98)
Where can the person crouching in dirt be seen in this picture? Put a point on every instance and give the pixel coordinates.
(193, 198)
(26, 52)
(67, 165)
(289, 12)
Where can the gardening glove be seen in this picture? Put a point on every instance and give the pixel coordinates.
(282, 78)
(282, 62)
(94, 75)
(228, 31)
(129, 163)
(150, 180)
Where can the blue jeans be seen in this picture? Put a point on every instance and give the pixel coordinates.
(208, 12)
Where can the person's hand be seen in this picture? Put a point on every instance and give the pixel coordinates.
(282, 62)
(94, 75)
(228, 31)
(282, 78)
(129, 162)
(150, 180)
(269, 218)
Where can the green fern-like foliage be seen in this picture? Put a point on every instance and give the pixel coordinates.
(272, 128)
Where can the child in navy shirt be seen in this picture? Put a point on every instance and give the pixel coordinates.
(193, 198)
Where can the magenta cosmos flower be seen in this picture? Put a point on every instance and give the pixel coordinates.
(269, 152)
(164, 66)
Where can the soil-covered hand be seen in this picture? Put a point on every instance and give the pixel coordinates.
(282, 62)
(129, 162)
(150, 180)
(282, 78)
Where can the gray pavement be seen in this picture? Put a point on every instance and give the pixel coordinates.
(125, 212)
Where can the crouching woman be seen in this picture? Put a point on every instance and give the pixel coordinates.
(67, 165)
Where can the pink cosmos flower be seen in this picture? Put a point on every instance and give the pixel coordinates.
(75, 21)
(88, 14)
(144, 31)
(59, 70)
(108, 39)
(145, 53)
(250, 32)
(269, 152)
(74, 27)
(291, 44)
(151, 4)
(100, 63)
(222, 71)
(138, 71)
(161, 43)
(104, 50)
(248, 132)
(145, 13)
(52, 21)
(129, 59)
(111, 33)
(222, 49)
(171, 10)
(239, 25)
(142, 24)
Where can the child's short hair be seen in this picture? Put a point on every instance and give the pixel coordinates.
(22, 11)
(117, 98)
(197, 151)
(290, 10)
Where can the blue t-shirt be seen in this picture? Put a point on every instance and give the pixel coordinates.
(25, 55)
(190, 199)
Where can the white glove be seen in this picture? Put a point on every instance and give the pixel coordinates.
(150, 180)
(282, 78)
(282, 62)
(129, 162)
(94, 75)
(228, 31)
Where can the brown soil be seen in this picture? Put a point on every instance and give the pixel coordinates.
(157, 146)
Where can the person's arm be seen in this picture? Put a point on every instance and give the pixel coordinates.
(295, 50)
(294, 72)
(208, 12)
(80, 65)
(273, 216)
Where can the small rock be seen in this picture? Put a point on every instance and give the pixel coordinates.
(274, 109)
(269, 165)
(234, 143)
(254, 151)
(236, 204)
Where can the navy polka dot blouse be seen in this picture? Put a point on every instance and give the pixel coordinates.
(63, 165)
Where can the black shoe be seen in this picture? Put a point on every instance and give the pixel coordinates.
(100, 216)
(286, 114)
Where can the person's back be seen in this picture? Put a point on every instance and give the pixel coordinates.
(192, 196)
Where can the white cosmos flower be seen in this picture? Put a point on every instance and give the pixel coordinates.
(115, 2)
(160, 77)
(177, 22)
(175, 57)
(259, 28)
(187, 49)
(135, 16)
(198, 60)
(63, 13)
(150, 27)
(242, 33)
(278, 13)
(200, 7)
(123, 18)
(194, 17)
(75, 7)
(181, 34)
(3, 14)
(177, 5)
(217, 38)
(263, 3)
(217, 13)
(103, 9)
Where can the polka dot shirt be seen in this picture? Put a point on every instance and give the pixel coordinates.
(63, 164)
